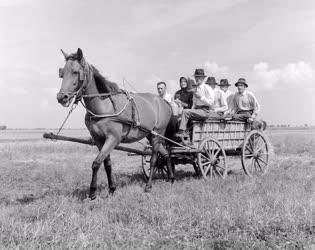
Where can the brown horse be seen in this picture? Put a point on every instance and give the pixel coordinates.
(114, 115)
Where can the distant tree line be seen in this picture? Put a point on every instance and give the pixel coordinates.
(3, 127)
(289, 126)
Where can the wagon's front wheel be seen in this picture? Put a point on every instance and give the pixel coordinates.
(160, 169)
(255, 153)
(211, 159)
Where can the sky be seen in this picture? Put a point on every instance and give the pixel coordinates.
(271, 43)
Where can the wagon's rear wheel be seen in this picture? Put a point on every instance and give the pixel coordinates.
(255, 153)
(160, 170)
(211, 159)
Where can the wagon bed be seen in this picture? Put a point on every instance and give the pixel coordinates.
(212, 141)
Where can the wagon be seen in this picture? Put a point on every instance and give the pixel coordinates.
(212, 141)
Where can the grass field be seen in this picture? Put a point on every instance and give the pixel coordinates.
(44, 186)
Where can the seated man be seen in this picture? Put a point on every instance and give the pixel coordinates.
(220, 104)
(224, 85)
(161, 88)
(203, 99)
(245, 105)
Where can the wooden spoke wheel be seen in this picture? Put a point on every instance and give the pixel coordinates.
(211, 159)
(160, 169)
(255, 153)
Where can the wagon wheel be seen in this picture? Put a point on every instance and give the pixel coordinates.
(212, 159)
(255, 153)
(160, 170)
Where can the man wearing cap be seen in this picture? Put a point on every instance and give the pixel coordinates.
(220, 104)
(203, 99)
(224, 86)
(245, 105)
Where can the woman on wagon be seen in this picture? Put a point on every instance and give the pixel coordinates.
(183, 98)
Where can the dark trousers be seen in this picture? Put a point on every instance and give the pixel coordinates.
(242, 116)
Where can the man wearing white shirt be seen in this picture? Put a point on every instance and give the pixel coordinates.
(203, 100)
(246, 106)
(220, 104)
(224, 85)
(161, 88)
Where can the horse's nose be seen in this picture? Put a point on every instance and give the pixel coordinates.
(61, 97)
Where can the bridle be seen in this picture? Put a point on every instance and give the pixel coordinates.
(84, 78)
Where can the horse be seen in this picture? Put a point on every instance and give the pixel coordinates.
(114, 115)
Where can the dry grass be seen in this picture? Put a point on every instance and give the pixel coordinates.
(43, 202)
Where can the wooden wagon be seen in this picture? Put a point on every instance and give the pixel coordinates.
(214, 140)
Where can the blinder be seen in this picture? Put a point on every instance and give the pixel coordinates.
(61, 72)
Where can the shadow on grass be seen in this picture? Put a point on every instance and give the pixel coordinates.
(122, 180)
(24, 200)
(126, 179)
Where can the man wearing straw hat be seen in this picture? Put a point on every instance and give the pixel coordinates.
(203, 99)
(245, 105)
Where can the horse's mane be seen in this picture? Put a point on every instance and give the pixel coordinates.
(102, 84)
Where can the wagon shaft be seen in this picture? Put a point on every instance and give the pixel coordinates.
(89, 141)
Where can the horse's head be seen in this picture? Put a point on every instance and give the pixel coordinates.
(74, 77)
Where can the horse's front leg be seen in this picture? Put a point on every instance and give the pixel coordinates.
(108, 146)
(108, 170)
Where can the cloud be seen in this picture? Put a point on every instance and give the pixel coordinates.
(214, 68)
(293, 74)
(219, 72)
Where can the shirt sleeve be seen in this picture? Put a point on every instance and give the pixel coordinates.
(223, 103)
(193, 105)
(208, 98)
(256, 106)
(233, 108)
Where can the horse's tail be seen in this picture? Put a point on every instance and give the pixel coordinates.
(172, 128)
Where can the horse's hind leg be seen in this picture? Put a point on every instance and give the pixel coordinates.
(155, 149)
(170, 166)
(108, 169)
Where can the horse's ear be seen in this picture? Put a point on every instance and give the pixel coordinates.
(80, 54)
(64, 54)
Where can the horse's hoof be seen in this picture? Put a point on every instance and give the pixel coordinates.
(112, 190)
(92, 196)
(147, 189)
